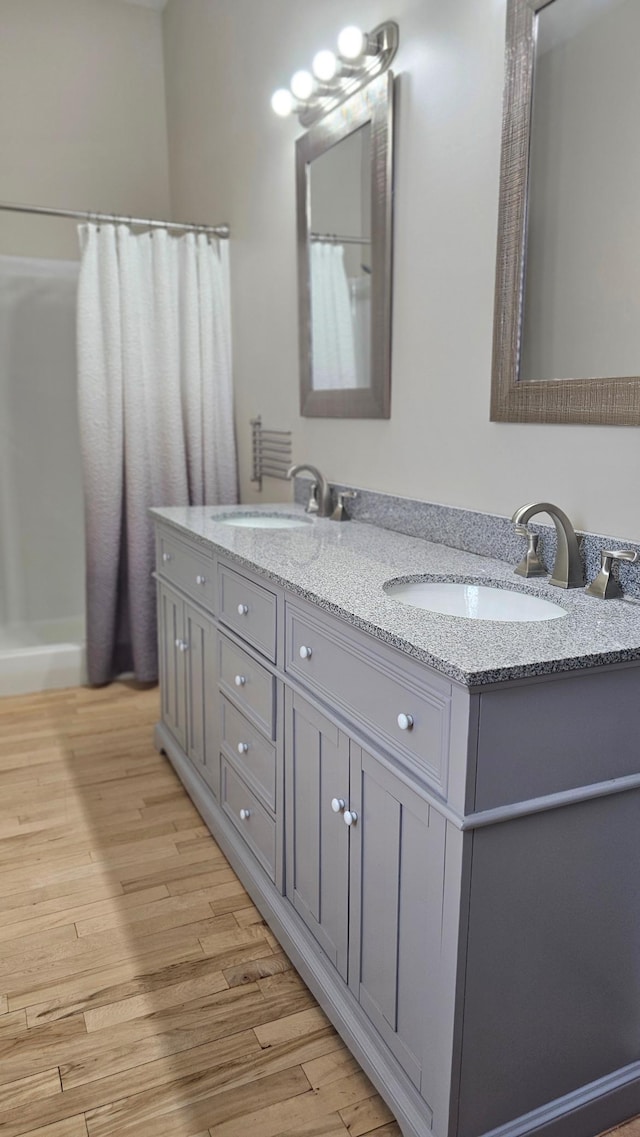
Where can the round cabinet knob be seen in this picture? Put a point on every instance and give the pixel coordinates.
(405, 722)
(240, 680)
(243, 609)
(305, 652)
(178, 642)
(166, 557)
(201, 579)
(350, 817)
(337, 804)
(184, 646)
(243, 747)
(245, 814)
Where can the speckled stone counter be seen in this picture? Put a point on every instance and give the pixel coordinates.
(342, 567)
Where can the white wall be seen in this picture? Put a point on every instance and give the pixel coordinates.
(232, 159)
(82, 116)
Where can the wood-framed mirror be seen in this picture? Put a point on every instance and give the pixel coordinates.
(344, 172)
(566, 342)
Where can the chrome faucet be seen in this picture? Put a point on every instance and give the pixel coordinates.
(320, 497)
(567, 571)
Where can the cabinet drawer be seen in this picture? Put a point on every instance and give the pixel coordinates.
(375, 687)
(249, 817)
(249, 751)
(247, 684)
(248, 609)
(187, 568)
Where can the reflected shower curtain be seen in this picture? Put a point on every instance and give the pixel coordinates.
(332, 335)
(156, 418)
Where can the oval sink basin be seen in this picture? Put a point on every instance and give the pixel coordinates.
(474, 601)
(262, 521)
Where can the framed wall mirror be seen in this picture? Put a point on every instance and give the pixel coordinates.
(567, 313)
(344, 169)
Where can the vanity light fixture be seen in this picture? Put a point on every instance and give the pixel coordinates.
(335, 77)
(283, 102)
(303, 85)
(325, 66)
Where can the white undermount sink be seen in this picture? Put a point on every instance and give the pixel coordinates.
(262, 521)
(474, 601)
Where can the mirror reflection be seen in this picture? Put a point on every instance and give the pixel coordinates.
(341, 264)
(582, 280)
(344, 179)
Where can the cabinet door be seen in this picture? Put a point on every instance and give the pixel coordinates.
(317, 770)
(397, 879)
(201, 690)
(172, 662)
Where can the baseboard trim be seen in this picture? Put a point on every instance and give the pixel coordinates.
(592, 1109)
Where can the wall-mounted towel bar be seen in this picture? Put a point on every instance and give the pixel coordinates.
(270, 452)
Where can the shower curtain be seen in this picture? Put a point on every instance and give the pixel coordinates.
(332, 334)
(156, 418)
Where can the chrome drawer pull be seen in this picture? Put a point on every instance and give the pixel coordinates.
(243, 609)
(337, 804)
(201, 580)
(405, 722)
(305, 652)
(166, 557)
(350, 817)
(240, 680)
(245, 814)
(243, 747)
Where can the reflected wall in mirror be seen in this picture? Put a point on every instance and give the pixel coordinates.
(344, 172)
(567, 320)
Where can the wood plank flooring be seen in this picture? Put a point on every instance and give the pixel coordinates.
(140, 991)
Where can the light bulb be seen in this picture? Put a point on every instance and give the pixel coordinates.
(351, 43)
(282, 102)
(303, 84)
(325, 66)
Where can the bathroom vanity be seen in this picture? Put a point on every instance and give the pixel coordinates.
(438, 817)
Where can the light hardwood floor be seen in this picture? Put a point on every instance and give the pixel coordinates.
(140, 991)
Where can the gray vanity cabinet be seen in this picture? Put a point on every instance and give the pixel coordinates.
(474, 931)
(173, 694)
(396, 889)
(200, 687)
(187, 679)
(370, 892)
(317, 850)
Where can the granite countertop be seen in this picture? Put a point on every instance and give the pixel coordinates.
(342, 568)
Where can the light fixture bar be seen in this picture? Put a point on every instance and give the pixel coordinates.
(385, 37)
(365, 55)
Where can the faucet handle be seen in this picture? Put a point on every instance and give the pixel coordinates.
(530, 565)
(340, 512)
(605, 586)
(313, 505)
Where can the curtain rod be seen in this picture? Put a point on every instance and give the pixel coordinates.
(334, 239)
(114, 218)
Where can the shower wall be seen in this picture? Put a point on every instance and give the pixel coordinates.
(41, 505)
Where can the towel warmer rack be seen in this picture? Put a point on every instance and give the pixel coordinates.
(270, 452)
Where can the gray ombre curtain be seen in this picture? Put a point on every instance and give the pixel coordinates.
(156, 418)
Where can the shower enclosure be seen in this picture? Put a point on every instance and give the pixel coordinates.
(41, 505)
